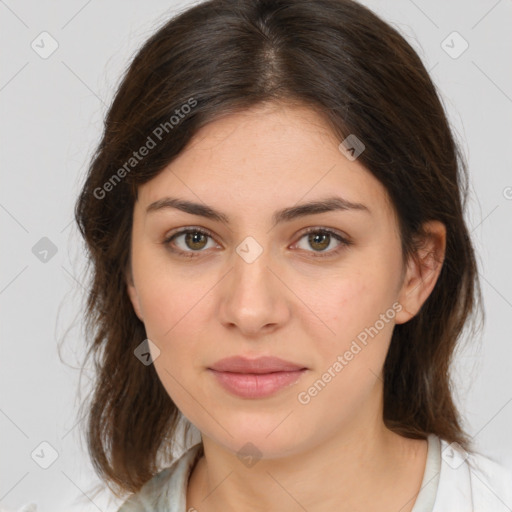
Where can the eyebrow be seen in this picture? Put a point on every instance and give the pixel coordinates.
(333, 203)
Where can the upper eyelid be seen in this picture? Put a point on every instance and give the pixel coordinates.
(182, 231)
(185, 230)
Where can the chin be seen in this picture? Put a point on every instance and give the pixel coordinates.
(266, 440)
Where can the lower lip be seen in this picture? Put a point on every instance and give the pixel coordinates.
(252, 385)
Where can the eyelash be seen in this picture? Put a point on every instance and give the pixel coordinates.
(194, 254)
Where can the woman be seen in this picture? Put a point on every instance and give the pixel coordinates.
(274, 218)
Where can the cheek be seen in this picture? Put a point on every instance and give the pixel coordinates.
(350, 301)
(174, 312)
(350, 360)
(169, 295)
(358, 309)
(174, 318)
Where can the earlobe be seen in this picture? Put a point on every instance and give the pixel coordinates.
(134, 296)
(423, 270)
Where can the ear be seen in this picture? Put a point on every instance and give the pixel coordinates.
(134, 296)
(422, 271)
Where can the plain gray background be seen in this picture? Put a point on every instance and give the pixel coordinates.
(52, 111)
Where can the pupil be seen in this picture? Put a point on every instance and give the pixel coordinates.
(314, 239)
(193, 237)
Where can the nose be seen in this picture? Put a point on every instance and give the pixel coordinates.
(252, 298)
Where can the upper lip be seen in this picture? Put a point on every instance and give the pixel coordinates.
(266, 364)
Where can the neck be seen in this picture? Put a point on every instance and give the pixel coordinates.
(363, 467)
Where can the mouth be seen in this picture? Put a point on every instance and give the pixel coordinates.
(256, 378)
(256, 385)
(260, 365)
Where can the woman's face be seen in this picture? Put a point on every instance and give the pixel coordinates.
(252, 287)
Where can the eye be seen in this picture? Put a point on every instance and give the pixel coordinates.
(191, 241)
(321, 239)
(188, 241)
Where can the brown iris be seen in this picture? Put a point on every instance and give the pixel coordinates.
(319, 240)
(192, 240)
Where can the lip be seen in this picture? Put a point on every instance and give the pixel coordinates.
(265, 364)
(256, 378)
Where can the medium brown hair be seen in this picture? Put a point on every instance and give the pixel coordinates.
(221, 57)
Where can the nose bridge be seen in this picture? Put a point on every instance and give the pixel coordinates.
(252, 298)
(250, 273)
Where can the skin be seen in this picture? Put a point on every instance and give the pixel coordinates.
(333, 453)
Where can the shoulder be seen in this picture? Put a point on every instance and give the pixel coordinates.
(166, 491)
(491, 483)
(472, 482)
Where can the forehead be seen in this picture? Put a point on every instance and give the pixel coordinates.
(268, 155)
(266, 133)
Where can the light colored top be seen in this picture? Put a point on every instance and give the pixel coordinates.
(453, 481)
(428, 490)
